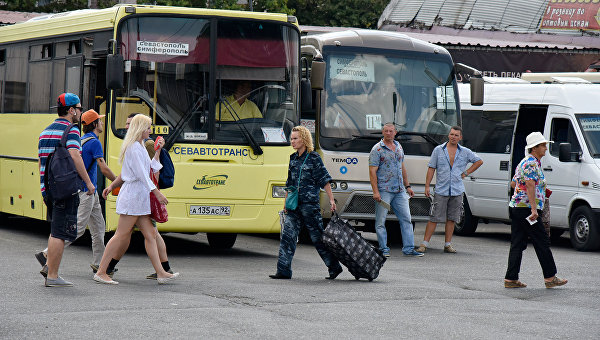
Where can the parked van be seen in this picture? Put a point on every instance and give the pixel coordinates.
(566, 111)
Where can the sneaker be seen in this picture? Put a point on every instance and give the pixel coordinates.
(449, 249)
(58, 282)
(95, 270)
(153, 276)
(422, 249)
(386, 254)
(413, 253)
(41, 257)
(44, 271)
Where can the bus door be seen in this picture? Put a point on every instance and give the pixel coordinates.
(561, 177)
(489, 132)
(530, 118)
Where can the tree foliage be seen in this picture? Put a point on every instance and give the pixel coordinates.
(344, 13)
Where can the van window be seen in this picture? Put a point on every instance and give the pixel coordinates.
(563, 132)
(488, 131)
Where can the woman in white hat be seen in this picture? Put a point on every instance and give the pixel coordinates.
(525, 212)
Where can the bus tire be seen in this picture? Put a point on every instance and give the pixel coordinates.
(468, 222)
(583, 229)
(221, 240)
(304, 236)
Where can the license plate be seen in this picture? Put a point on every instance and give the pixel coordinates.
(217, 210)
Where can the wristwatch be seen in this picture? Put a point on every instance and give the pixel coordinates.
(465, 173)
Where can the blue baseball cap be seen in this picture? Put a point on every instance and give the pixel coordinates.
(68, 99)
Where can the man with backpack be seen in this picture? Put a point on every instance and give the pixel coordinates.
(90, 211)
(62, 210)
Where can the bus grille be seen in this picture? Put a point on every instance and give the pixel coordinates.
(363, 204)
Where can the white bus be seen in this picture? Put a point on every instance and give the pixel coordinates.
(363, 79)
(566, 111)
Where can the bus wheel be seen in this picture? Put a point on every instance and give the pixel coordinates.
(221, 240)
(468, 222)
(583, 229)
(304, 236)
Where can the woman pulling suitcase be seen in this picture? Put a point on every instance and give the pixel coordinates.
(306, 176)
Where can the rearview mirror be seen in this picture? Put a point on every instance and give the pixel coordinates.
(317, 75)
(114, 71)
(476, 84)
(564, 152)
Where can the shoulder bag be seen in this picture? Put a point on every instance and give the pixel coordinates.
(158, 211)
(291, 201)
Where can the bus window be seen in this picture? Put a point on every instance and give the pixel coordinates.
(166, 69)
(364, 91)
(16, 79)
(563, 132)
(253, 85)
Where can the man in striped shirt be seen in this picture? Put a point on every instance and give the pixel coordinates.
(61, 213)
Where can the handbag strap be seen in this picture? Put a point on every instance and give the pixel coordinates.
(300, 173)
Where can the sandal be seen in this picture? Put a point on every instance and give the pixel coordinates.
(555, 282)
(514, 284)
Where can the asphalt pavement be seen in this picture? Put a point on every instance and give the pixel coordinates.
(227, 293)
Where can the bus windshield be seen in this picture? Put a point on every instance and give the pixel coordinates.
(169, 76)
(590, 125)
(365, 91)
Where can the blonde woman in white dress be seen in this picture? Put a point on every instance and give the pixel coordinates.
(133, 202)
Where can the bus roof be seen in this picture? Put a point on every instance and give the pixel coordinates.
(99, 19)
(581, 98)
(372, 39)
(549, 77)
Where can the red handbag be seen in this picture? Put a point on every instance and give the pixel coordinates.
(158, 212)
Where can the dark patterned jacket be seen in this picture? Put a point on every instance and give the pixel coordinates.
(314, 176)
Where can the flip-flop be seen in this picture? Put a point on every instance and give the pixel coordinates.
(556, 281)
(514, 284)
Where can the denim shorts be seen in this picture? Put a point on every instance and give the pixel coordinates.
(63, 217)
(446, 208)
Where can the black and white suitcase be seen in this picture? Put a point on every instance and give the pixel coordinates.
(362, 258)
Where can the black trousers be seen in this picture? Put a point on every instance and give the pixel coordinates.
(520, 230)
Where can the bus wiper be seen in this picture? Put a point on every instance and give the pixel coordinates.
(183, 121)
(425, 136)
(253, 144)
(355, 137)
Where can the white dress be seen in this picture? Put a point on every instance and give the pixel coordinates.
(134, 196)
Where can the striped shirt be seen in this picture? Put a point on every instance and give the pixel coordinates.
(49, 140)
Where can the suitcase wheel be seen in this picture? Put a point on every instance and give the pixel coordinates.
(357, 278)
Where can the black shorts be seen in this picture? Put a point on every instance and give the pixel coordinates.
(62, 215)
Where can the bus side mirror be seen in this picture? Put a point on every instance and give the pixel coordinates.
(114, 71)
(476, 84)
(305, 95)
(317, 75)
(564, 153)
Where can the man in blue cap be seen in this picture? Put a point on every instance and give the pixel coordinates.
(61, 213)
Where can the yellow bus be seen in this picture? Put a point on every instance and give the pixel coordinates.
(196, 72)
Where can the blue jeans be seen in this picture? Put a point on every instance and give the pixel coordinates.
(399, 203)
(308, 215)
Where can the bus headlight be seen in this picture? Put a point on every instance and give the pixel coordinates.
(278, 191)
(333, 185)
(343, 185)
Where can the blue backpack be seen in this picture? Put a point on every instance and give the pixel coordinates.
(166, 179)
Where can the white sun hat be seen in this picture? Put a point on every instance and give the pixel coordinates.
(535, 138)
